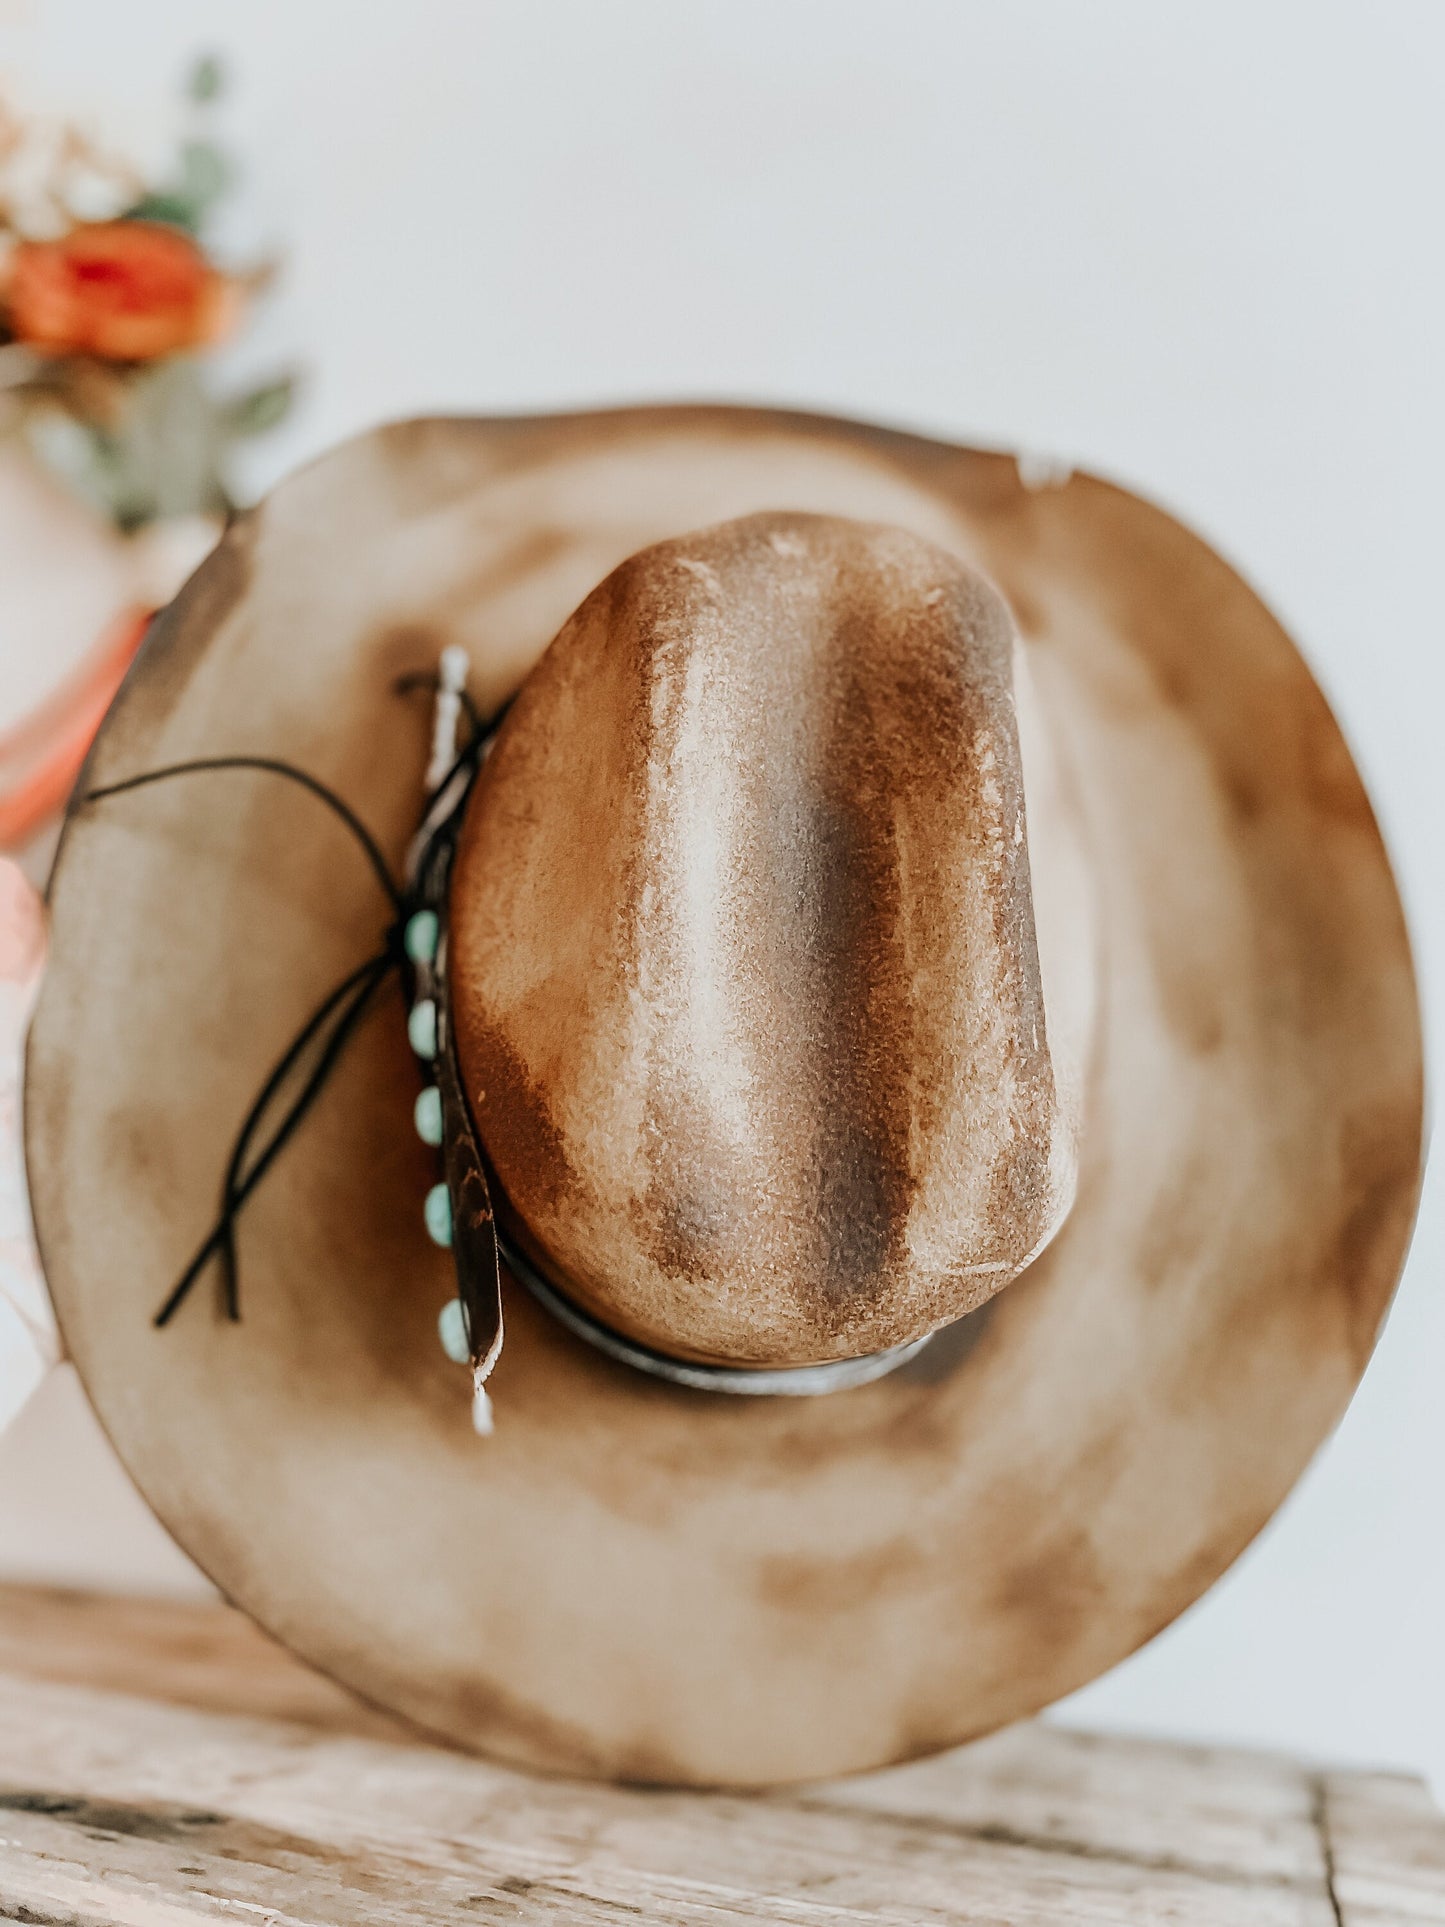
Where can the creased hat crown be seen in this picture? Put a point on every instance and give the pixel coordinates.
(744, 971)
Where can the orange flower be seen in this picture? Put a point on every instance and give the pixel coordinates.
(121, 290)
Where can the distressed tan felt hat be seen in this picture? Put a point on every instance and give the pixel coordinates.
(856, 977)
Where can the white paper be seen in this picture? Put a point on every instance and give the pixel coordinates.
(29, 1339)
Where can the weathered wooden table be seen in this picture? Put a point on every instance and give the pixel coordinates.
(163, 1765)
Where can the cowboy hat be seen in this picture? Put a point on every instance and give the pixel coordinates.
(913, 950)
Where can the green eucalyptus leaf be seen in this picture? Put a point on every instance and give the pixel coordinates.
(206, 80)
(176, 437)
(170, 208)
(162, 457)
(264, 407)
(161, 451)
(205, 175)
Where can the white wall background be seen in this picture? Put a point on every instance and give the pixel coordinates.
(1199, 248)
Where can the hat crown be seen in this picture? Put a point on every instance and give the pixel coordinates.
(743, 962)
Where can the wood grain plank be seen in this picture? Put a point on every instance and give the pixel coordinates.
(282, 1799)
(1224, 1812)
(164, 1764)
(1386, 1849)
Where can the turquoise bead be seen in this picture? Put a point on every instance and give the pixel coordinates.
(423, 934)
(428, 1116)
(421, 1028)
(438, 1214)
(452, 1328)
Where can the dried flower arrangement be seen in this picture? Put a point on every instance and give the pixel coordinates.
(115, 440)
(108, 299)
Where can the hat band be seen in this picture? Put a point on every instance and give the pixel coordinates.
(792, 1381)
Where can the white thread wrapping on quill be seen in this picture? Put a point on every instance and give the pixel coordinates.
(451, 681)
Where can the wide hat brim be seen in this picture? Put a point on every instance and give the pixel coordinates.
(629, 1578)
